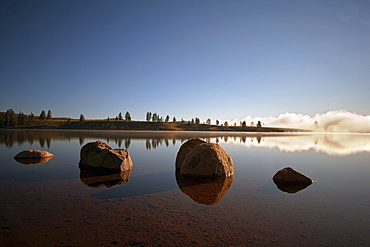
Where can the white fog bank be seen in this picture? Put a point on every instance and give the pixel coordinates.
(335, 121)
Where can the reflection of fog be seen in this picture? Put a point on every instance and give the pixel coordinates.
(332, 144)
(204, 190)
(100, 177)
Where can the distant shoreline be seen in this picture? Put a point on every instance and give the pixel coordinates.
(148, 126)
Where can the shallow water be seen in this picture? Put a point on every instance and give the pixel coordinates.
(57, 204)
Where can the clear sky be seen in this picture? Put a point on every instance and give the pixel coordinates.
(207, 59)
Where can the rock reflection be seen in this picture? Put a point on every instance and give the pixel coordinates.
(291, 188)
(33, 161)
(204, 190)
(100, 177)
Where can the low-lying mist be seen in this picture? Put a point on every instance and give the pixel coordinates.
(332, 121)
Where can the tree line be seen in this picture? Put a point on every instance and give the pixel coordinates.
(12, 119)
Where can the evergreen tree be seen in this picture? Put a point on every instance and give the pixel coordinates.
(259, 125)
(82, 118)
(174, 120)
(167, 119)
(208, 121)
(21, 119)
(42, 115)
(197, 121)
(2, 119)
(127, 116)
(120, 116)
(192, 121)
(50, 115)
(10, 120)
(244, 124)
(155, 117)
(226, 124)
(148, 116)
(217, 122)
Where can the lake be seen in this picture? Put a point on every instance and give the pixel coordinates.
(57, 204)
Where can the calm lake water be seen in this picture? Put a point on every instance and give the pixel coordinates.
(57, 204)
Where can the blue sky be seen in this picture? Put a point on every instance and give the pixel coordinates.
(206, 59)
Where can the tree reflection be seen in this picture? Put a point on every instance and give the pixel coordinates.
(332, 144)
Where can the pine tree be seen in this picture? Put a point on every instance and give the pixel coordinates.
(120, 116)
(50, 115)
(42, 115)
(167, 119)
(127, 116)
(174, 120)
(148, 116)
(82, 118)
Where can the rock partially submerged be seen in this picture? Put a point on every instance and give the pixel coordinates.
(207, 160)
(33, 157)
(288, 175)
(185, 148)
(100, 154)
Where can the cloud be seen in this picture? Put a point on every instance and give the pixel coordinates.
(333, 121)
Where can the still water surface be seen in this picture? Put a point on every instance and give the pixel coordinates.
(57, 204)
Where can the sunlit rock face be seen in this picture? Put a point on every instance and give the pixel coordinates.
(33, 157)
(100, 154)
(289, 175)
(205, 191)
(185, 149)
(207, 160)
(102, 177)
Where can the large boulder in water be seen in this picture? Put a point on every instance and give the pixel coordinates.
(32, 157)
(100, 154)
(207, 160)
(185, 149)
(288, 175)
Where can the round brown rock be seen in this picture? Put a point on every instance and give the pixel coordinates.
(33, 154)
(207, 160)
(185, 148)
(289, 175)
(100, 154)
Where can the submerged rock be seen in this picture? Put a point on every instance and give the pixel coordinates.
(100, 154)
(207, 160)
(33, 157)
(185, 149)
(288, 175)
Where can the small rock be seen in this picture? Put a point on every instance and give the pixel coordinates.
(33, 157)
(33, 154)
(289, 175)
